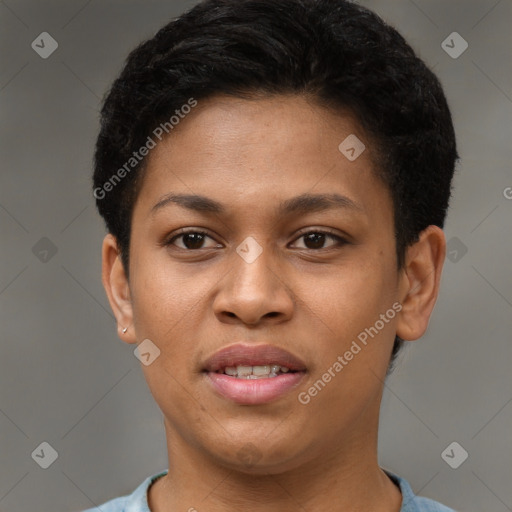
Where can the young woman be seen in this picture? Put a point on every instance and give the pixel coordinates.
(274, 177)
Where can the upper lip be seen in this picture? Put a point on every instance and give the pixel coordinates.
(241, 354)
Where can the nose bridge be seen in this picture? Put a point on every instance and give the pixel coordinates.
(251, 266)
(254, 288)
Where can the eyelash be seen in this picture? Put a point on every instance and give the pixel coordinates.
(339, 239)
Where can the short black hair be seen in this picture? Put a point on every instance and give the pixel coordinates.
(335, 51)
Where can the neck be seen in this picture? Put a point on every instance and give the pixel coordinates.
(342, 478)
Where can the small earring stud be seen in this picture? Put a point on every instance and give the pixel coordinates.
(124, 330)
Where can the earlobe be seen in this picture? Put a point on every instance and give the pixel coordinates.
(117, 288)
(419, 282)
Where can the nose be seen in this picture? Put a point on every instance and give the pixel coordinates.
(254, 292)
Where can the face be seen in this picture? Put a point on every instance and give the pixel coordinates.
(254, 270)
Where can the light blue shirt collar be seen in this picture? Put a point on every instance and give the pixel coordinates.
(138, 500)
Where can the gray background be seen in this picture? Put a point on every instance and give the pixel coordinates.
(66, 379)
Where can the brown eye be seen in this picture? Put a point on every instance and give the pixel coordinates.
(191, 240)
(315, 240)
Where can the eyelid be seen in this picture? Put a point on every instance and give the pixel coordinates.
(341, 238)
(324, 231)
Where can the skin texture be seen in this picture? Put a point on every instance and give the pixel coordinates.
(310, 298)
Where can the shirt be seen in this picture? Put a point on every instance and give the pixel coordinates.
(138, 500)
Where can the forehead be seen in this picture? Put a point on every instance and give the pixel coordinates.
(291, 126)
(249, 151)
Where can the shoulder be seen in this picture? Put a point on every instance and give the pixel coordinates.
(114, 505)
(413, 503)
(135, 502)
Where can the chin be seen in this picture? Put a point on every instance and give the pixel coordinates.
(250, 458)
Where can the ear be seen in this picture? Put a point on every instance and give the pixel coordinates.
(419, 282)
(117, 287)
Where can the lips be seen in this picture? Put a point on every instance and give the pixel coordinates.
(253, 355)
(262, 390)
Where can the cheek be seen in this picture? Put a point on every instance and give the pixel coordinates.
(350, 298)
(355, 343)
(165, 296)
(167, 310)
(170, 307)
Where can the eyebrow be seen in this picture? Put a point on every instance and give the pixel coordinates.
(303, 204)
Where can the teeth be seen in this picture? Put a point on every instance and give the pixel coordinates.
(244, 371)
(261, 370)
(255, 372)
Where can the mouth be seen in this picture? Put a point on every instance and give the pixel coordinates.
(253, 374)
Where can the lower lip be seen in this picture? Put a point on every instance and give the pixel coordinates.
(254, 391)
